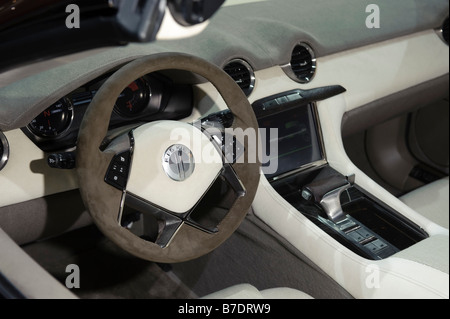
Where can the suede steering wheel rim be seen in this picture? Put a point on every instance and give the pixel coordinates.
(103, 201)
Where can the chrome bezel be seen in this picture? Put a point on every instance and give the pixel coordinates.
(5, 154)
(321, 162)
(42, 137)
(249, 68)
(287, 68)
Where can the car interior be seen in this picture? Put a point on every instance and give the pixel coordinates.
(238, 149)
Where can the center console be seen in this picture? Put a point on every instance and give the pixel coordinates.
(294, 162)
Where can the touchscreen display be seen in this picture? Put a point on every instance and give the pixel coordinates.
(291, 140)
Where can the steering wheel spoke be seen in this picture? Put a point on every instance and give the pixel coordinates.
(147, 221)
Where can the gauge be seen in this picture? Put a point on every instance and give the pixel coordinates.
(53, 121)
(4, 150)
(134, 99)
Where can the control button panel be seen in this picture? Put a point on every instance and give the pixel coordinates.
(361, 236)
(117, 174)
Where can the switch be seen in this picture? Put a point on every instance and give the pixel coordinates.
(371, 247)
(120, 169)
(294, 97)
(356, 236)
(346, 224)
(269, 104)
(282, 100)
(116, 180)
(379, 244)
(365, 233)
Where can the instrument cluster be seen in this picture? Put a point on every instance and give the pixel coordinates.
(151, 97)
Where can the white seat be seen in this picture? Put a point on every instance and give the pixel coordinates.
(431, 201)
(246, 291)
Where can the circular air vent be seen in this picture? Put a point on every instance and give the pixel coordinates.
(242, 73)
(303, 63)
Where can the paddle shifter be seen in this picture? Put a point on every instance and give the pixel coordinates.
(326, 190)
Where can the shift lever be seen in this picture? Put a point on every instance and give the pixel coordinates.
(326, 190)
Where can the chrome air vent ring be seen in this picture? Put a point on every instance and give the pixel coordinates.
(303, 64)
(4, 150)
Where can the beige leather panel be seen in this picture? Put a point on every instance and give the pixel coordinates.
(431, 201)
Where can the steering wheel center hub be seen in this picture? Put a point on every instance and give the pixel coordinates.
(178, 162)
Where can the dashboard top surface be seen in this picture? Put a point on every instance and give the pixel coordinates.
(22, 95)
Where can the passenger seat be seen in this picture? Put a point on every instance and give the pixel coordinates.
(431, 201)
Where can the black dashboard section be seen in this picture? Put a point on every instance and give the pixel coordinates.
(150, 98)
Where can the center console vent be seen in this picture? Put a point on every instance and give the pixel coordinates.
(242, 73)
(303, 63)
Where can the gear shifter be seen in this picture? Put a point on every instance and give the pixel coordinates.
(326, 190)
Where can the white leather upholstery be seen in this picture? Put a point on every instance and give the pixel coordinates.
(431, 201)
(247, 291)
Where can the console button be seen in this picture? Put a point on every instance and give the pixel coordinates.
(379, 244)
(269, 104)
(346, 224)
(371, 247)
(294, 97)
(365, 233)
(282, 100)
(356, 236)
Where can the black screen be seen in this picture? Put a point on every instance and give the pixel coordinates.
(296, 142)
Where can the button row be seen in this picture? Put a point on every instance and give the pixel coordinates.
(361, 235)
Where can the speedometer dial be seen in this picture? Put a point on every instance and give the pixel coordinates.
(53, 121)
(134, 98)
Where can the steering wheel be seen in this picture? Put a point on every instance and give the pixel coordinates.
(159, 169)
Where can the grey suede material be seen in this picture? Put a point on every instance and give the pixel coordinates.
(103, 201)
(262, 33)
